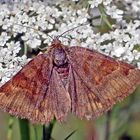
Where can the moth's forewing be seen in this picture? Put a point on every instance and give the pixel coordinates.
(23, 94)
(100, 81)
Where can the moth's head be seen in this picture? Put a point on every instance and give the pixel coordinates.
(56, 42)
(59, 57)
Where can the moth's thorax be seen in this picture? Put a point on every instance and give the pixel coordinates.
(59, 57)
(60, 62)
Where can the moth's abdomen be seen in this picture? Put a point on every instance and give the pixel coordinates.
(63, 73)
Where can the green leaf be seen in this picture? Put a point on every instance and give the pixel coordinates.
(47, 130)
(24, 129)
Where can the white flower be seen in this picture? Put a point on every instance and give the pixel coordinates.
(114, 12)
(94, 3)
(18, 28)
(75, 0)
(7, 23)
(10, 63)
(12, 46)
(138, 64)
(34, 42)
(32, 39)
(118, 51)
(136, 55)
(4, 38)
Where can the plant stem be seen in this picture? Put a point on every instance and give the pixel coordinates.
(10, 126)
(35, 131)
(104, 16)
(70, 135)
(47, 130)
(108, 122)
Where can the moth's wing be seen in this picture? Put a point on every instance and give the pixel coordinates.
(57, 99)
(96, 81)
(23, 94)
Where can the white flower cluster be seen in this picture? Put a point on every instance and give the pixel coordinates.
(113, 8)
(10, 63)
(95, 3)
(27, 20)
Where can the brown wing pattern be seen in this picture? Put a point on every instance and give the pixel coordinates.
(100, 81)
(57, 99)
(23, 94)
(85, 103)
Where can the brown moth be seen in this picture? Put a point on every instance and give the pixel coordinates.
(68, 79)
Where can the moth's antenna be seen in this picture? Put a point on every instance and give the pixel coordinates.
(33, 29)
(72, 29)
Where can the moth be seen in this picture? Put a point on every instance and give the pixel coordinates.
(67, 80)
